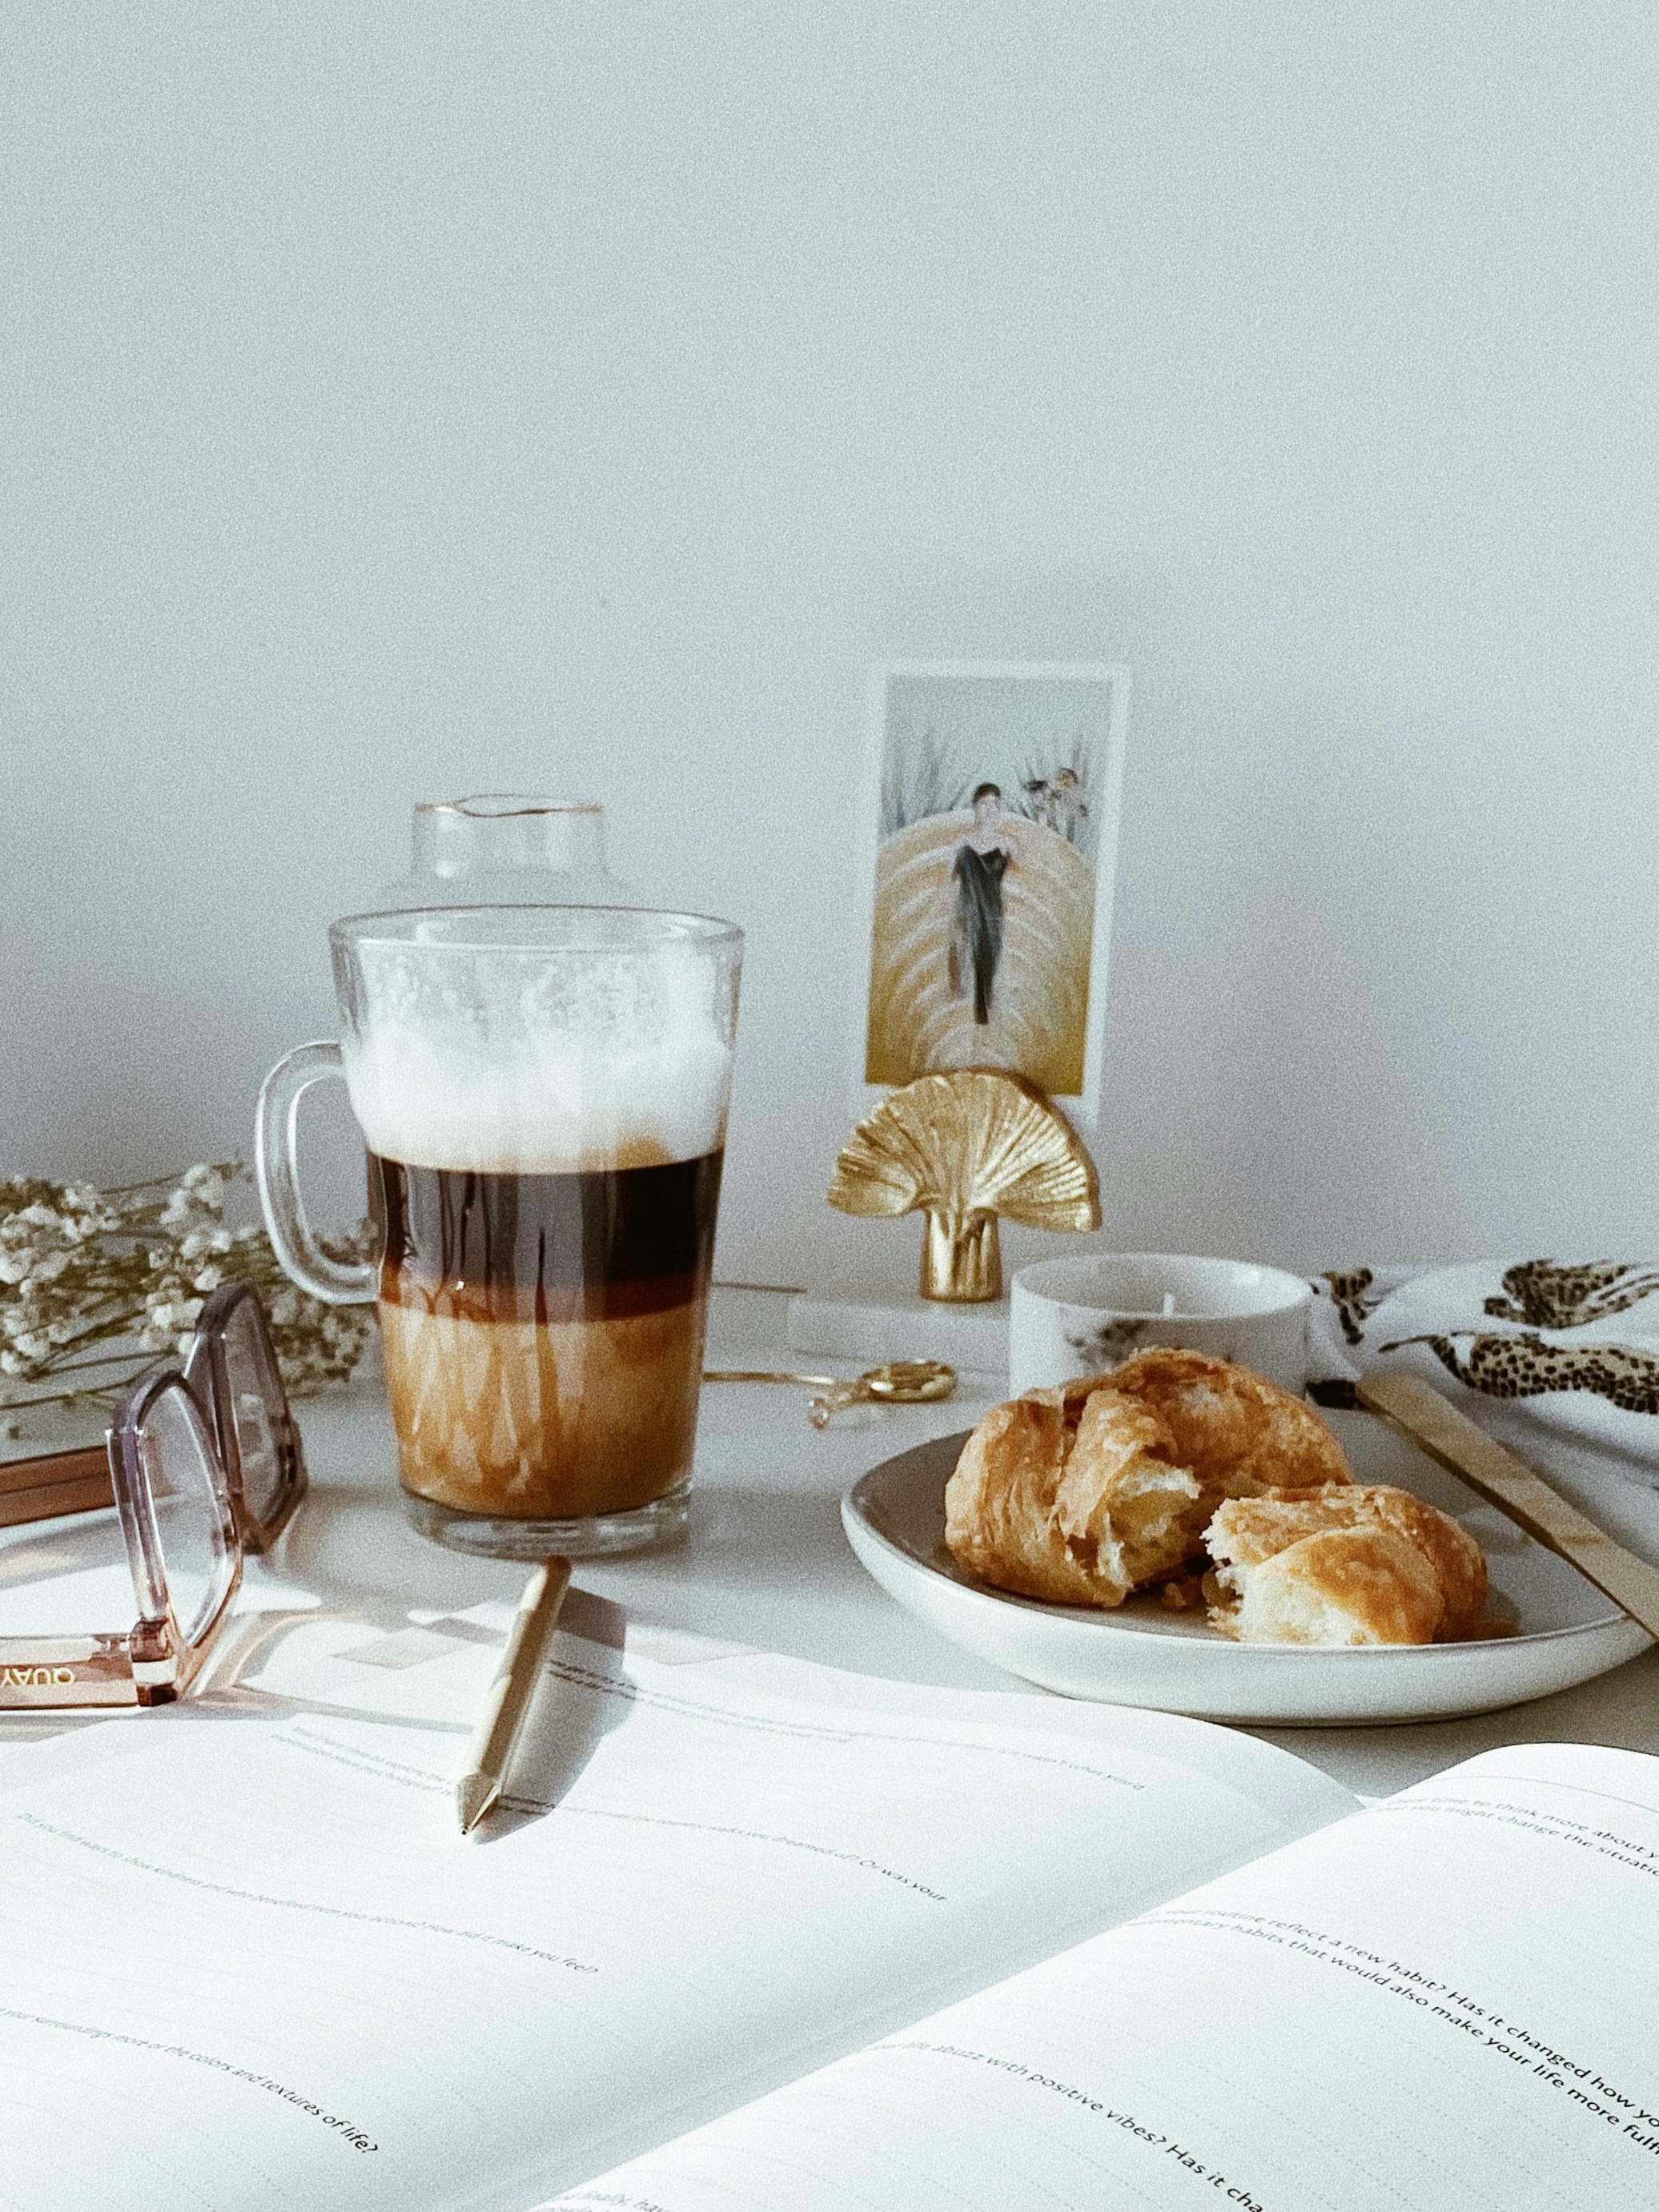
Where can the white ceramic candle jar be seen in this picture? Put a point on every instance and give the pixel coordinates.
(1085, 1316)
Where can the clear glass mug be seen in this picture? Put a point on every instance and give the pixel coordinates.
(542, 1092)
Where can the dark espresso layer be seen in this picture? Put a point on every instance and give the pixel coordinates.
(546, 1248)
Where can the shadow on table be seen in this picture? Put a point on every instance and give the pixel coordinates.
(752, 1534)
(576, 1706)
(1620, 1709)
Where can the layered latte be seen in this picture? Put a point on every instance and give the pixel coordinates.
(544, 1332)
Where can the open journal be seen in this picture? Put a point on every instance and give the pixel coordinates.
(787, 1941)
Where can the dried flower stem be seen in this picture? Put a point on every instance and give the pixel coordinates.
(131, 1267)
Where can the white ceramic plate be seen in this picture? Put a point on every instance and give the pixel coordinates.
(1142, 1655)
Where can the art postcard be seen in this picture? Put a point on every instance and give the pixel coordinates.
(991, 838)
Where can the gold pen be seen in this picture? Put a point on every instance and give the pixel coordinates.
(490, 1753)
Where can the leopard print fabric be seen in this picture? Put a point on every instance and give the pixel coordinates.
(1348, 1287)
(1524, 1366)
(1544, 1296)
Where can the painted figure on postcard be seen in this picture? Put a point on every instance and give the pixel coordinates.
(994, 787)
(982, 859)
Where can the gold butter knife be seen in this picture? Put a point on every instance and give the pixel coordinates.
(1419, 1411)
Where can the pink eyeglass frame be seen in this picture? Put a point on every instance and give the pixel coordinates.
(153, 1663)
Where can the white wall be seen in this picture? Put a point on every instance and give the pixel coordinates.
(406, 399)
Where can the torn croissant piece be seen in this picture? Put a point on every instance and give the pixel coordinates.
(1081, 1494)
(1343, 1564)
(999, 1504)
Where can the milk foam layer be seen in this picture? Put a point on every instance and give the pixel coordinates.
(526, 1085)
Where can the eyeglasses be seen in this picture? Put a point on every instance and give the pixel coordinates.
(203, 1465)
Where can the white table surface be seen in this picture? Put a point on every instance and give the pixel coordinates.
(765, 1562)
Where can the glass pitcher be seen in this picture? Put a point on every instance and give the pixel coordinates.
(506, 848)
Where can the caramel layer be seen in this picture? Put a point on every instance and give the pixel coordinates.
(543, 1420)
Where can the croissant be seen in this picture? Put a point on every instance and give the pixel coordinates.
(1080, 1493)
(1343, 1564)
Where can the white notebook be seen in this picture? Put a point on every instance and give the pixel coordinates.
(879, 1949)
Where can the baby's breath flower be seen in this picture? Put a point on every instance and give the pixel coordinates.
(92, 1281)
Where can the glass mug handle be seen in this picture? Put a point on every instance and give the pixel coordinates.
(302, 1257)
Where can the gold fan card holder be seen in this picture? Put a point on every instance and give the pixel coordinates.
(965, 1147)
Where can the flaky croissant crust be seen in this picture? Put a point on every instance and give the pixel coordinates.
(1326, 1566)
(1080, 1493)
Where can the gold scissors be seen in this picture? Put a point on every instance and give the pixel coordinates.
(895, 1383)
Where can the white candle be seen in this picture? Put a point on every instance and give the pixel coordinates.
(1085, 1316)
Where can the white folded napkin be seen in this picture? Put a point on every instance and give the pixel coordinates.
(1559, 1361)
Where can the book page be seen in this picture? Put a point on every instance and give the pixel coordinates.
(1445, 2004)
(252, 1962)
(437, 1666)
